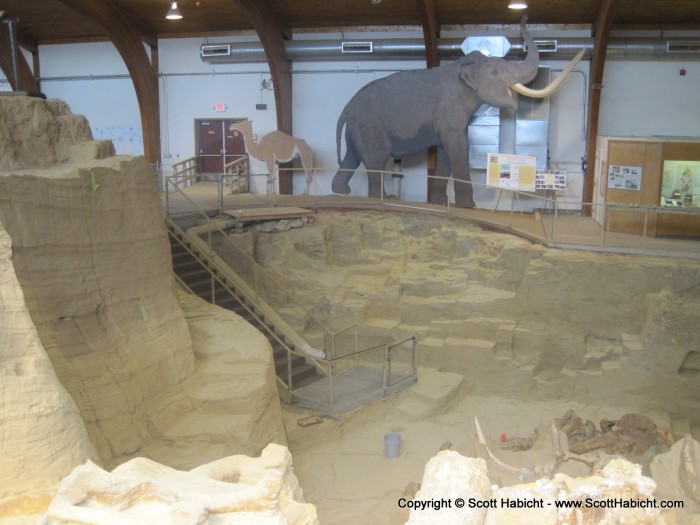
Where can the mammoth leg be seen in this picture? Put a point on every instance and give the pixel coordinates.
(457, 149)
(438, 185)
(347, 169)
(374, 178)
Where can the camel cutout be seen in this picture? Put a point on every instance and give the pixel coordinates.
(277, 147)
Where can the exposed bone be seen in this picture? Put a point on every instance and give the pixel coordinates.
(559, 454)
(554, 85)
(483, 447)
(600, 441)
(688, 471)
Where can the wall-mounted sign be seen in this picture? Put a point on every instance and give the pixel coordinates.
(625, 177)
(512, 172)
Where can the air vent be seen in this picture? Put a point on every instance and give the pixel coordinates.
(546, 46)
(683, 46)
(215, 50)
(356, 47)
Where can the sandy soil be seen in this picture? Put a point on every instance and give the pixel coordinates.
(342, 467)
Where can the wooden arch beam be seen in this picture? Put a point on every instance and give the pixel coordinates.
(27, 80)
(431, 33)
(272, 35)
(125, 36)
(601, 34)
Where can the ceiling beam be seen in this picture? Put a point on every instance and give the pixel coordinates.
(431, 33)
(27, 43)
(26, 80)
(128, 40)
(601, 34)
(272, 35)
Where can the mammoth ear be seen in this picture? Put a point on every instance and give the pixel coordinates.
(468, 73)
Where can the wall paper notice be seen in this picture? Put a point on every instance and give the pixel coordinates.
(512, 172)
(550, 180)
(625, 177)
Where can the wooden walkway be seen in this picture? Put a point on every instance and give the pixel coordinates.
(568, 231)
(243, 215)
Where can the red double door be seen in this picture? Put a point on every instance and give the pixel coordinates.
(217, 145)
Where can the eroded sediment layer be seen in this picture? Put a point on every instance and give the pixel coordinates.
(517, 319)
(87, 278)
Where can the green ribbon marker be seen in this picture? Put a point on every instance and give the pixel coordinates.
(144, 312)
(93, 181)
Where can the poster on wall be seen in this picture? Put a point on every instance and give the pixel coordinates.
(512, 172)
(550, 180)
(625, 177)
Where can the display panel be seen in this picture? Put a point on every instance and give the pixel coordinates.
(680, 185)
(513, 172)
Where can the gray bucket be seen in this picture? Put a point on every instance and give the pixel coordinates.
(392, 445)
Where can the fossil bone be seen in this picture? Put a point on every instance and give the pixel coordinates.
(688, 470)
(559, 454)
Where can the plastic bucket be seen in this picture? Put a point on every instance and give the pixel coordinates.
(392, 445)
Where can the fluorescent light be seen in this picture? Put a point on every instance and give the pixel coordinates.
(517, 4)
(174, 13)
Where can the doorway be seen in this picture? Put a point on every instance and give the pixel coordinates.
(217, 145)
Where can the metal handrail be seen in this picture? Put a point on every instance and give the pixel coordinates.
(321, 360)
(178, 234)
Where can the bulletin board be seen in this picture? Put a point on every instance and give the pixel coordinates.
(553, 180)
(511, 172)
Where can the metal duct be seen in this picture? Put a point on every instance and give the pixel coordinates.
(448, 48)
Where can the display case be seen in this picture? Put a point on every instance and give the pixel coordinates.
(680, 184)
(648, 187)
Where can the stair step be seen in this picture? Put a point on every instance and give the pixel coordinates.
(199, 280)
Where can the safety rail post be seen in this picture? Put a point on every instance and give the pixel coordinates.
(331, 387)
(554, 220)
(605, 223)
(644, 235)
(386, 369)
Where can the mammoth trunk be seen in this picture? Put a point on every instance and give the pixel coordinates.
(526, 70)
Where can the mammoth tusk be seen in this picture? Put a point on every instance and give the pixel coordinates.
(559, 455)
(490, 455)
(554, 85)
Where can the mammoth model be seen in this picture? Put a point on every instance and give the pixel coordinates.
(410, 111)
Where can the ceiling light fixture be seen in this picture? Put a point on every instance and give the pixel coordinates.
(174, 13)
(517, 4)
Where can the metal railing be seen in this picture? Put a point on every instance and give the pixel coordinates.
(351, 379)
(242, 277)
(546, 218)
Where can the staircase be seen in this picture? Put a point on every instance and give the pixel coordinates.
(201, 275)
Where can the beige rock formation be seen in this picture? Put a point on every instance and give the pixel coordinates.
(232, 490)
(36, 133)
(449, 479)
(516, 319)
(677, 472)
(150, 370)
(456, 489)
(42, 436)
(619, 493)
